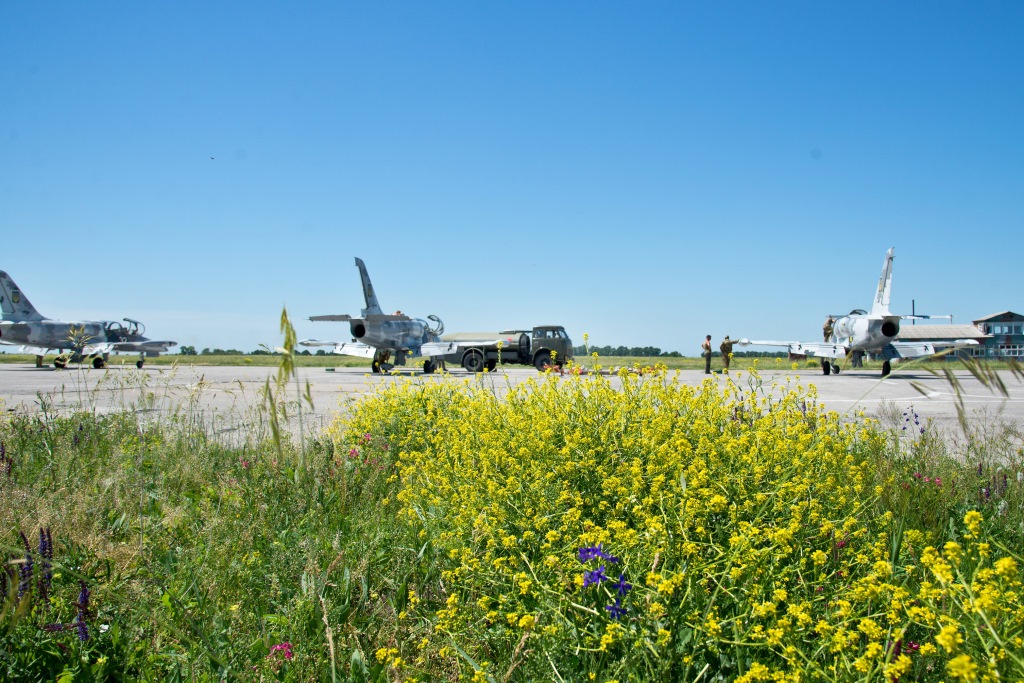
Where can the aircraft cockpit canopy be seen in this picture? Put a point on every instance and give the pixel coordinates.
(127, 328)
(858, 311)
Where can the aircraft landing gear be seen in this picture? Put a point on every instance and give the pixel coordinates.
(826, 368)
(886, 368)
(428, 367)
(139, 363)
(835, 369)
(60, 362)
(98, 363)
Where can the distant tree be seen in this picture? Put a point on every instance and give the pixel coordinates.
(187, 350)
(320, 352)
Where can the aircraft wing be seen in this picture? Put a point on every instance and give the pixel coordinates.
(34, 350)
(899, 349)
(343, 348)
(147, 347)
(816, 349)
(445, 347)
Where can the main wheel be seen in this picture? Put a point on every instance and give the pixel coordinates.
(886, 368)
(60, 363)
(97, 363)
(825, 367)
(428, 367)
(375, 367)
(139, 364)
(473, 361)
(542, 360)
(835, 368)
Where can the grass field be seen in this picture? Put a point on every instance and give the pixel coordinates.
(569, 532)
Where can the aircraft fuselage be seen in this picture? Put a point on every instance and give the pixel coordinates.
(56, 334)
(865, 332)
(395, 334)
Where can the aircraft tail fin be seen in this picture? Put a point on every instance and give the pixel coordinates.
(881, 303)
(15, 305)
(372, 306)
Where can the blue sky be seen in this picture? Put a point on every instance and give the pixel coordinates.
(646, 172)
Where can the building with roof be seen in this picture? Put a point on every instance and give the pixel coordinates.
(1000, 335)
(1005, 332)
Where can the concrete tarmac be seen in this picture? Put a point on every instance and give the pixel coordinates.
(227, 396)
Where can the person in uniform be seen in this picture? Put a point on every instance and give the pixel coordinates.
(706, 347)
(726, 349)
(827, 328)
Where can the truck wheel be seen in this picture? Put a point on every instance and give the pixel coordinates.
(473, 361)
(491, 365)
(543, 359)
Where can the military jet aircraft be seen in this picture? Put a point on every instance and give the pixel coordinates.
(22, 325)
(377, 335)
(861, 331)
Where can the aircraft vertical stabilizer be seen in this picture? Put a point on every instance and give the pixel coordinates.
(372, 307)
(881, 303)
(14, 304)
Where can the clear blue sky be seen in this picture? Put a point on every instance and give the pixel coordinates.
(643, 172)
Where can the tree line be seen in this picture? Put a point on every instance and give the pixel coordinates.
(654, 351)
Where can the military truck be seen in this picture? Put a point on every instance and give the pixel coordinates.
(475, 351)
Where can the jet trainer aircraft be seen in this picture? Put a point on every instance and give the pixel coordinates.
(22, 325)
(862, 331)
(377, 335)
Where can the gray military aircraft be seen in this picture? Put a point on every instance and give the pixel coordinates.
(22, 325)
(377, 335)
(861, 331)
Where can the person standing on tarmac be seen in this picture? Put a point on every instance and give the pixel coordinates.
(706, 347)
(827, 328)
(726, 349)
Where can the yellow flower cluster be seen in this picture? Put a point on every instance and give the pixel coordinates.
(717, 518)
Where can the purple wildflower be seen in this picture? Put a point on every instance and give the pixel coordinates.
(595, 577)
(588, 553)
(25, 573)
(46, 553)
(622, 586)
(617, 611)
(6, 463)
(83, 612)
(284, 648)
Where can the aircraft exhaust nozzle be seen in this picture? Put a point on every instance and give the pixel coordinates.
(358, 329)
(891, 327)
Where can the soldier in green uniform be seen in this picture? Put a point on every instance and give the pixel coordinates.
(827, 328)
(726, 349)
